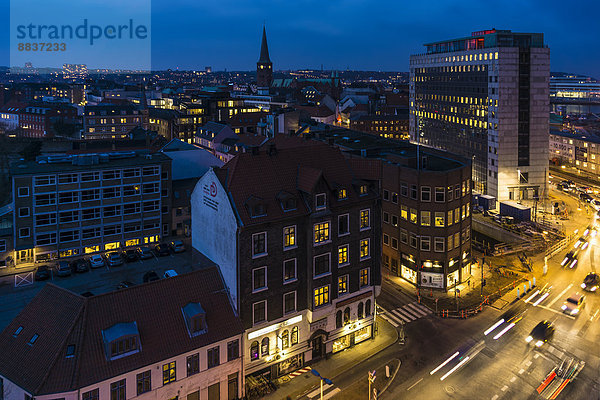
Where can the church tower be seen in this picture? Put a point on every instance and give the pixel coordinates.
(264, 67)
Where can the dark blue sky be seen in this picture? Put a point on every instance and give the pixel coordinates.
(359, 34)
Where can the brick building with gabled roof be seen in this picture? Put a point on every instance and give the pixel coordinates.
(294, 228)
(179, 336)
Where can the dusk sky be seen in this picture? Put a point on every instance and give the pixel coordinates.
(355, 34)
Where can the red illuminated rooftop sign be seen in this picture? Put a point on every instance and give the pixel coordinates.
(481, 33)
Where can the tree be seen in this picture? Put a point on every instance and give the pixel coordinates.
(31, 150)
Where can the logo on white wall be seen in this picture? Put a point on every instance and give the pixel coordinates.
(213, 189)
(210, 192)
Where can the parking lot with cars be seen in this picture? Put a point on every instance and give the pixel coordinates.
(95, 275)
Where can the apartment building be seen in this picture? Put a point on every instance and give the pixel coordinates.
(176, 338)
(576, 150)
(112, 121)
(69, 205)
(295, 231)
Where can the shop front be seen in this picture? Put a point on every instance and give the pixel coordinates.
(288, 365)
(353, 338)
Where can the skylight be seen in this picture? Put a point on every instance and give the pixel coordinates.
(19, 329)
(33, 339)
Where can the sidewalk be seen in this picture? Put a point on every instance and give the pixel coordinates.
(336, 364)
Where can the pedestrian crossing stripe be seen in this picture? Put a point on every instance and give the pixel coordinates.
(317, 391)
(407, 313)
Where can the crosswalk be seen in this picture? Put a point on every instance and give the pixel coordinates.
(328, 392)
(405, 314)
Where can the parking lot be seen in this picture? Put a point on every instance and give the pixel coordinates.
(96, 281)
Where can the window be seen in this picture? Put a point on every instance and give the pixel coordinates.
(111, 193)
(394, 198)
(364, 249)
(289, 236)
(259, 312)
(143, 382)
(425, 243)
(44, 180)
(360, 310)
(294, 336)
(386, 217)
(413, 215)
(264, 347)
(450, 193)
(342, 285)
(259, 279)
(321, 232)
(425, 218)
(386, 239)
(403, 236)
(23, 212)
(403, 212)
(343, 255)
(149, 188)
(233, 350)
(91, 395)
(320, 201)
(439, 219)
(425, 193)
(112, 211)
(438, 244)
(45, 199)
(346, 315)
(90, 176)
(394, 243)
(457, 192)
(2, 245)
(213, 357)
(131, 208)
(24, 232)
(363, 277)
(404, 189)
(89, 195)
(440, 194)
(394, 220)
(365, 220)
(321, 265)
(413, 192)
(456, 240)
(413, 240)
(111, 230)
(23, 191)
(90, 233)
(342, 194)
(147, 171)
(131, 172)
(259, 244)
(363, 189)
(67, 178)
(193, 364)
(111, 174)
(343, 224)
(449, 217)
(254, 351)
(44, 239)
(151, 206)
(289, 302)
(68, 197)
(386, 195)
(169, 373)
(131, 190)
(450, 243)
(321, 296)
(457, 215)
(117, 390)
(289, 270)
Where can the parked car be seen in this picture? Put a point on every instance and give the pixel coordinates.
(596, 204)
(586, 189)
(586, 197)
(570, 259)
(150, 276)
(80, 265)
(63, 268)
(177, 246)
(130, 255)
(96, 261)
(124, 285)
(591, 282)
(114, 259)
(541, 333)
(143, 252)
(573, 304)
(161, 250)
(170, 273)
(42, 273)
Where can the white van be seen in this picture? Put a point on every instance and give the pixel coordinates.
(170, 273)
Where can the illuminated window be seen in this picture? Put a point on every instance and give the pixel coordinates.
(342, 194)
(321, 296)
(294, 337)
(364, 248)
(363, 190)
(342, 285)
(413, 215)
(364, 277)
(254, 351)
(289, 236)
(169, 373)
(365, 221)
(321, 232)
(404, 212)
(439, 219)
(425, 218)
(343, 255)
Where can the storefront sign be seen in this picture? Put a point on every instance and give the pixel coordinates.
(274, 327)
(432, 280)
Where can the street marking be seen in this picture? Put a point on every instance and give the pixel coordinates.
(532, 296)
(317, 391)
(521, 371)
(417, 310)
(536, 356)
(556, 312)
(422, 307)
(495, 397)
(538, 301)
(25, 279)
(528, 363)
(405, 316)
(388, 319)
(504, 388)
(514, 378)
(332, 393)
(414, 384)
(560, 295)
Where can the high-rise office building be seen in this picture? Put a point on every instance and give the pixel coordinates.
(486, 97)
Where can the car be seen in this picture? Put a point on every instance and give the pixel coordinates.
(585, 197)
(63, 268)
(177, 246)
(143, 252)
(585, 189)
(161, 250)
(541, 333)
(582, 243)
(150, 276)
(570, 259)
(124, 285)
(591, 282)
(96, 261)
(130, 255)
(114, 259)
(573, 304)
(80, 265)
(596, 204)
(170, 273)
(42, 273)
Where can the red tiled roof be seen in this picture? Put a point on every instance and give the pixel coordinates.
(245, 119)
(295, 168)
(62, 318)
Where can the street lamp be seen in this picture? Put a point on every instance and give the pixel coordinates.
(327, 381)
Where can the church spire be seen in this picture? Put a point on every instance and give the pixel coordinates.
(264, 48)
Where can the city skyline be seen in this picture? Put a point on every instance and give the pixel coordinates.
(227, 35)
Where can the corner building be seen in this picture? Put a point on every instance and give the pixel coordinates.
(294, 228)
(485, 97)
